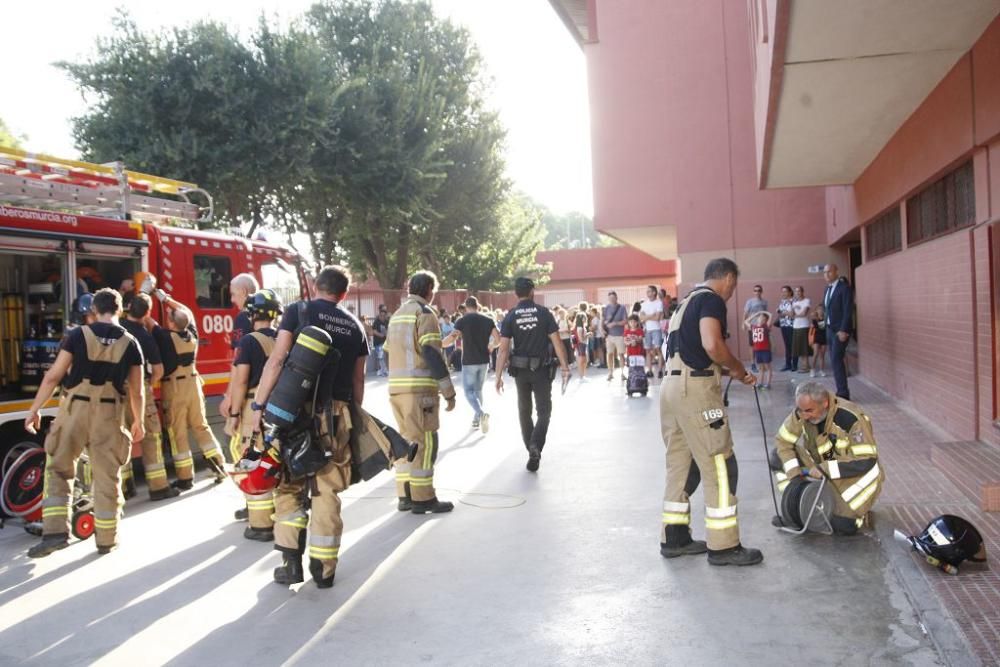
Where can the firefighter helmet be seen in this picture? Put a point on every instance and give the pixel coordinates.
(263, 305)
(81, 307)
(262, 477)
(950, 539)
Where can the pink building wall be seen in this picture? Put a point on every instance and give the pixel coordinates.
(673, 130)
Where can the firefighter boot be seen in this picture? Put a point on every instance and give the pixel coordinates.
(738, 555)
(259, 534)
(405, 502)
(183, 484)
(316, 570)
(51, 542)
(128, 486)
(290, 571)
(692, 548)
(164, 493)
(434, 506)
(242, 514)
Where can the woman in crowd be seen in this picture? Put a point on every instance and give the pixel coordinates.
(565, 335)
(597, 352)
(819, 341)
(580, 337)
(802, 310)
(786, 317)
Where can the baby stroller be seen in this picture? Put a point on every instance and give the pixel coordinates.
(23, 483)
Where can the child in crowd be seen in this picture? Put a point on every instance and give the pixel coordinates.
(634, 342)
(760, 338)
(818, 341)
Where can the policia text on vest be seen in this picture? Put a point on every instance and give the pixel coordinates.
(100, 368)
(695, 424)
(528, 337)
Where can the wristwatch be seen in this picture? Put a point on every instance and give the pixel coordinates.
(255, 406)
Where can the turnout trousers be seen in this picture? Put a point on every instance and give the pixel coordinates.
(184, 409)
(418, 420)
(323, 519)
(94, 424)
(699, 448)
(260, 507)
(152, 446)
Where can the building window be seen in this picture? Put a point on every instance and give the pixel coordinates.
(211, 281)
(884, 235)
(943, 206)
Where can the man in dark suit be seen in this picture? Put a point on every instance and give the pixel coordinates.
(839, 303)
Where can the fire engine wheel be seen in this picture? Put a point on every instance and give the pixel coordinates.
(83, 525)
(21, 488)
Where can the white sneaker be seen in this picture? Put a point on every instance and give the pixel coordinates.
(484, 423)
(812, 373)
(822, 374)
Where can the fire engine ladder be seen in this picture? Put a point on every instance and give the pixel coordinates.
(37, 180)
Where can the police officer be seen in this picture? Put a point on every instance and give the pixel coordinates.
(417, 373)
(695, 425)
(528, 336)
(338, 385)
(183, 399)
(95, 364)
(252, 351)
(152, 445)
(828, 436)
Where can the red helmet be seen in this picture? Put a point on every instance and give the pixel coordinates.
(263, 478)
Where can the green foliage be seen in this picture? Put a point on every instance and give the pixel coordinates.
(7, 137)
(570, 230)
(362, 125)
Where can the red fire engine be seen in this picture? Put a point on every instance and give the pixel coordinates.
(68, 227)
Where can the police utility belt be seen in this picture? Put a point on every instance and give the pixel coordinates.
(528, 363)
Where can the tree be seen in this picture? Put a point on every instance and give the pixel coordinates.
(7, 138)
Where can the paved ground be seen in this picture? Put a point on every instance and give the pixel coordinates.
(561, 567)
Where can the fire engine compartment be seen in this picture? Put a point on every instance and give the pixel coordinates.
(38, 282)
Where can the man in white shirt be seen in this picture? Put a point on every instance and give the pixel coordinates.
(650, 316)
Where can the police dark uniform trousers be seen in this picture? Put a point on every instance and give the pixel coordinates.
(533, 366)
(699, 444)
(92, 416)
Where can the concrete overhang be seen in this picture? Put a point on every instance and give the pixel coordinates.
(660, 241)
(578, 16)
(853, 71)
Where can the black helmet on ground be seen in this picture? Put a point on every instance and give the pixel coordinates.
(950, 540)
(263, 305)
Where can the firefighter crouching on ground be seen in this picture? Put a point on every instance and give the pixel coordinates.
(252, 351)
(152, 444)
(338, 385)
(695, 426)
(96, 363)
(832, 437)
(417, 372)
(181, 393)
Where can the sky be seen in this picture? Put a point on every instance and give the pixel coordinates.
(538, 73)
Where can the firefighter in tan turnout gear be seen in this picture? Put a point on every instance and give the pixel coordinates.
(252, 351)
(828, 436)
(338, 385)
(695, 425)
(417, 374)
(182, 395)
(96, 363)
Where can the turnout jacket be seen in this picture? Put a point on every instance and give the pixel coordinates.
(843, 447)
(413, 342)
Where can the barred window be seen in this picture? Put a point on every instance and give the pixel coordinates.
(884, 235)
(944, 206)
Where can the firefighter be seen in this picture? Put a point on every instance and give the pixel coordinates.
(417, 373)
(152, 444)
(241, 288)
(181, 393)
(534, 334)
(100, 368)
(828, 436)
(695, 426)
(252, 351)
(339, 385)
